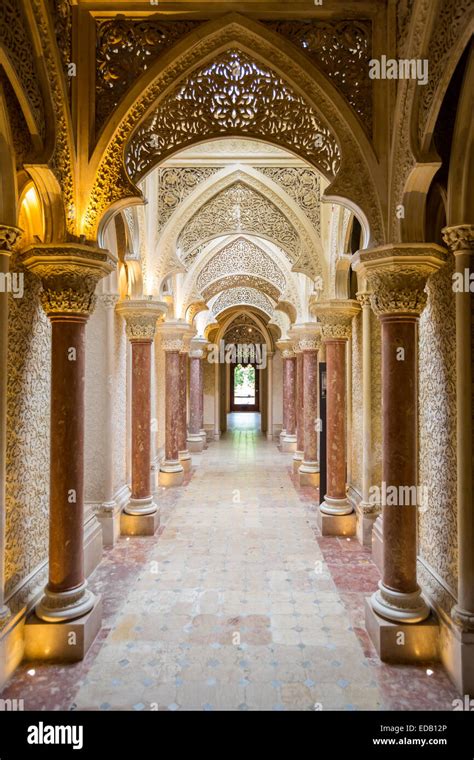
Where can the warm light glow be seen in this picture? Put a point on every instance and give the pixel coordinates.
(30, 218)
(31, 672)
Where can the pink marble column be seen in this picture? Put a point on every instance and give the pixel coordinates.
(310, 341)
(183, 451)
(196, 395)
(397, 277)
(141, 515)
(69, 274)
(175, 335)
(288, 434)
(299, 453)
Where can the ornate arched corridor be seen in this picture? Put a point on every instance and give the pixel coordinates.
(236, 355)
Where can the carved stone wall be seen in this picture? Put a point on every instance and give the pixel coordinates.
(437, 525)
(238, 296)
(301, 184)
(28, 437)
(175, 184)
(241, 256)
(238, 208)
(95, 406)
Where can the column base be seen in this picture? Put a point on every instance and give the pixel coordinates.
(332, 506)
(171, 474)
(195, 443)
(59, 606)
(139, 525)
(141, 507)
(12, 644)
(109, 518)
(288, 443)
(457, 651)
(398, 606)
(64, 641)
(402, 642)
(204, 438)
(185, 460)
(308, 473)
(297, 460)
(365, 523)
(336, 525)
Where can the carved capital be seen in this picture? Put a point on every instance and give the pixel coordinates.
(335, 317)
(286, 348)
(140, 317)
(176, 335)
(108, 299)
(397, 275)
(363, 299)
(198, 348)
(306, 337)
(459, 239)
(9, 236)
(69, 273)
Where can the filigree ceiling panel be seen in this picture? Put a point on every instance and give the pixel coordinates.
(301, 184)
(242, 297)
(125, 48)
(243, 333)
(241, 280)
(174, 185)
(238, 208)
(233, 95)
(17, 43)
(342, 49)
(240, 256)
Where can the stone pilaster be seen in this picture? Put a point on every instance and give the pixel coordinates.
(460, 241)
(141, 515)
(69, 274)
(397, 277)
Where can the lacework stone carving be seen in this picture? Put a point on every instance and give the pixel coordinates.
(21, 137)
(174, 185)
(232, 95)
(241, 256)
(17, 43)
(125, 48)
(342, 49)
(243, 333)
(241, 296)
(238, 208)
(241, 280)
(301, 184)
(61, 12)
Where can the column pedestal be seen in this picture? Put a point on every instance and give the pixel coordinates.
(141, 515)
(397, 277)
(69, 273)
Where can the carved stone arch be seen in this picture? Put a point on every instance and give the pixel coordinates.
(242, 296)
(238, 280)
(358, 180)
(460, 200)
(267, 189)
(8, 185)
(253, 315)
(287, 308)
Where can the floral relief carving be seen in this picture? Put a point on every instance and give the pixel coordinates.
(17, 43)
(238, 208)
(301, 184)
(175, 184)
(342, 49)
(437, 528)
(239, 296)
(232, 94)
(241, 280)
(241, 256)
(125, 48)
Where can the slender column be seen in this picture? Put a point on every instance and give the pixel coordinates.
(8, 238)
(460, 240)
(174, 334)
(196, 392)
(288, 434)
(183, 451)
(140, 317)
(69, 274)
(217, 389)
(364, 300)
(310, 342)
(299, 453)
(397, 277)
(201, 400)
(336, 317)
(269, 395)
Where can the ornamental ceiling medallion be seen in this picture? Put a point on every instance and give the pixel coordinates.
(232, 95)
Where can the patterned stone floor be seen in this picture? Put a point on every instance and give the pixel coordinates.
(237, 604)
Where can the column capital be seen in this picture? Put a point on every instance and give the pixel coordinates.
(108, 300)
(69, 273)
(140, 317)
(397, 275)
(336, 317)
(306, 336)
(286, 348)
(364, 299)
(176, 335)
(9, 236)
(198, 348)
(460, 238)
